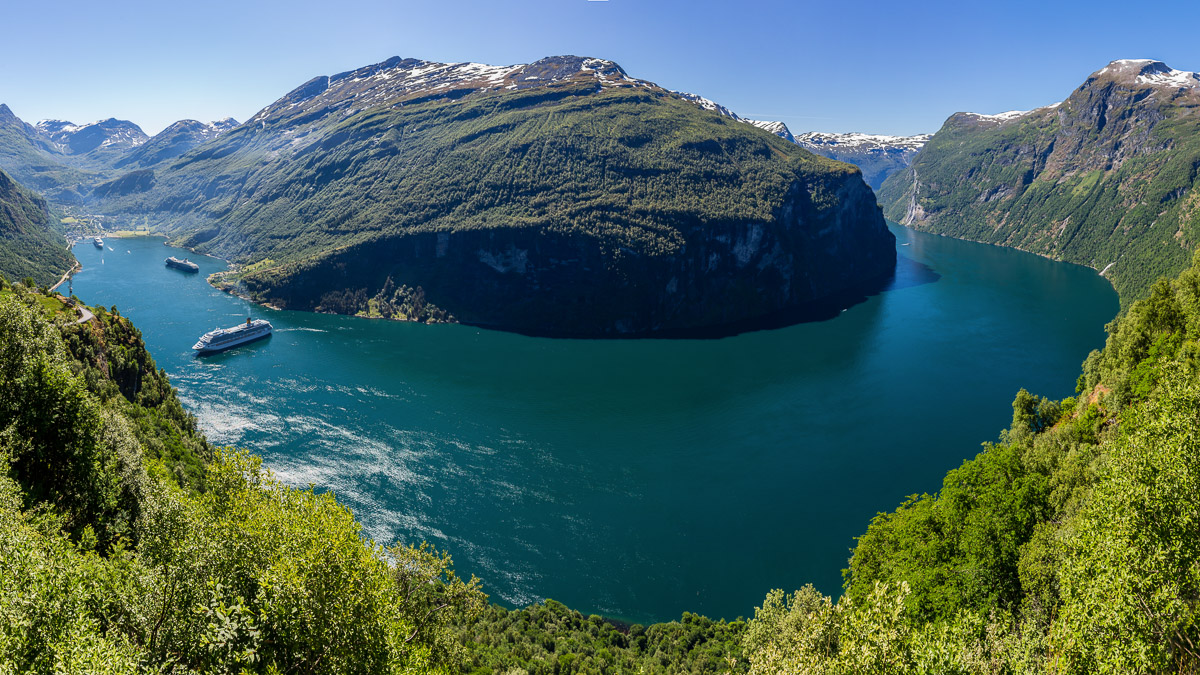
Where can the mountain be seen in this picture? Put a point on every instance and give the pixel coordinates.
(90, 146)
(73, 139)
(28, 157)
(172, 142)
(29, 247)
(1106, 178)
(877, 155)
(558, 197)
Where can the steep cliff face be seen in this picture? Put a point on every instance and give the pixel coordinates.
(1107, 178)
(827, 241)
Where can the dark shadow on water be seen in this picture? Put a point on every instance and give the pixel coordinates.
(910, 273)
(907, 273)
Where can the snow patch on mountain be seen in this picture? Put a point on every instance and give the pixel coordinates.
(1149, 72)
(397, 80)
(778, 128)
(860, 141)
(707, 104)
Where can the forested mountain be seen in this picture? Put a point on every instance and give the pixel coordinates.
(1107, 178)
(29, 246)
(559, 197)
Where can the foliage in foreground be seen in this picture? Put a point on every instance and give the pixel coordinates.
(108, 565)
(1072, 545)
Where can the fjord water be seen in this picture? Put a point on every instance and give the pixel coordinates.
(636, 479)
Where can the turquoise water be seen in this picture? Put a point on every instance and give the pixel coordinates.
(636, 479)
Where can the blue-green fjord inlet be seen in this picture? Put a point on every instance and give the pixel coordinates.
(631, 478)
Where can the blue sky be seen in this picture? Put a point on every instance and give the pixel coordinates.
(895, 67)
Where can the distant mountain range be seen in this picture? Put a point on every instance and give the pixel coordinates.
(878, 156)
(1106, 178)
(65, 161)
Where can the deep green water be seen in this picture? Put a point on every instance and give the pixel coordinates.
(637, 479)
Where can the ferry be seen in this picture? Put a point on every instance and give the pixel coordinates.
(185, 264)
(98, 243)
(224, 338)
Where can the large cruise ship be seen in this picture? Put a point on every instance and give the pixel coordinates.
(98, 242)
(185, 264)
(224, 338)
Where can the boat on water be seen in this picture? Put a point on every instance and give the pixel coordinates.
(98, 243)
(224, 338)
(185, 264)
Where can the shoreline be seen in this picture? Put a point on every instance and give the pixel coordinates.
(74, 268)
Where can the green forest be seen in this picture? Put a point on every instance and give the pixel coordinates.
(1069, 544)
(29, 246)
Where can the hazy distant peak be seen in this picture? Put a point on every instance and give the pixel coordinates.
(857, 140)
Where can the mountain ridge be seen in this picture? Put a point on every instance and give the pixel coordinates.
(1105, 178)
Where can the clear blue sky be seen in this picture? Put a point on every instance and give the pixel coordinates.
(882, 67)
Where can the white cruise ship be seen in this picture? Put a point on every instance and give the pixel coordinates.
(224, 338)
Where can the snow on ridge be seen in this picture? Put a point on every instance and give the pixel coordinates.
(1171, 78)
(1012, 114)
(1002, 117)
(707, 104)
(778, 128)
(860, 140)
(1153, 73)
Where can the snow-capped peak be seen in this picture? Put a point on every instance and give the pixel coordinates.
(1150, 72)
(58, 126)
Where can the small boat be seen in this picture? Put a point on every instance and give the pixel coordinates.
(224, 338)
(98, 243)
(185, 264)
